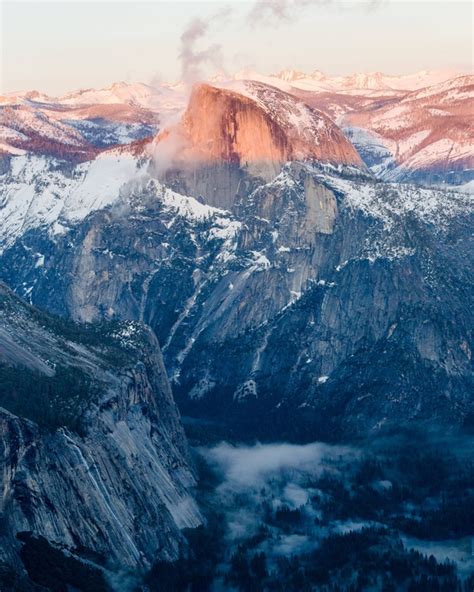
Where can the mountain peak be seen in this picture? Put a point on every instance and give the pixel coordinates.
(253, 123)
(252, 129)
(290, 75)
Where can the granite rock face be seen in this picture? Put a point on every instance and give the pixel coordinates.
(227, 139)
(102, 467)
(326, 305)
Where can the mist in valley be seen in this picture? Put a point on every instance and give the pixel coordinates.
(392, 514)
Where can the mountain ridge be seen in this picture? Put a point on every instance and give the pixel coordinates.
(82, 124)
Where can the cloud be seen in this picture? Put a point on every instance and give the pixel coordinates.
(249, 466)
(167, 146)
(193, 60)
(293, 544)
(256, 478)
(122, 581)
(271, 12)
(264, 11)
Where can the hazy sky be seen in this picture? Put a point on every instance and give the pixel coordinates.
(59, 46)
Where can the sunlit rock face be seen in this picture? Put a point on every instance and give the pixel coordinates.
(227, 138)
(225, 126)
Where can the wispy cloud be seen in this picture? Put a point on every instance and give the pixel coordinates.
(271, 12)
(193, 60)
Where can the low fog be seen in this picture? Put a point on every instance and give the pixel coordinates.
(277, 495)
(275, 475)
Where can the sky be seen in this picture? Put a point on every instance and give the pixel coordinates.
(55, 47)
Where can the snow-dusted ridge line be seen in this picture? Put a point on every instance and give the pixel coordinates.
(36, 193)
(387, 201)
(147, 95)
(358, 82)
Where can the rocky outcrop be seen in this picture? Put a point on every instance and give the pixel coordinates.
(92, 451)
(226, 136)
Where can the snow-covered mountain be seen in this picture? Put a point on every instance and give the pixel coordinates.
(26, 128)
(135, 94)
(80, 133)
(415, 127)
(427, 135)
(370, 83)
(139, 94)
(86, 121)
(305, 289)
(281, 276)
(273, 127)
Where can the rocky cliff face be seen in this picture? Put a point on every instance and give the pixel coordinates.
(93, 456)
(226, 136)
(358, 322)
(327, 305)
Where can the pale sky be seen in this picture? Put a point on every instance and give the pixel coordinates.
(55, 47)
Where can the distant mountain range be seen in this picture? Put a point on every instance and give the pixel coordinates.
(317, 81)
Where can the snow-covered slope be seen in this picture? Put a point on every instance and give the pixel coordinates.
(366, 83)
(91, 119)
(136, 94)
(38, 193)
(73, 133)
(139, 94)
(24, 128)
(428, 133)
